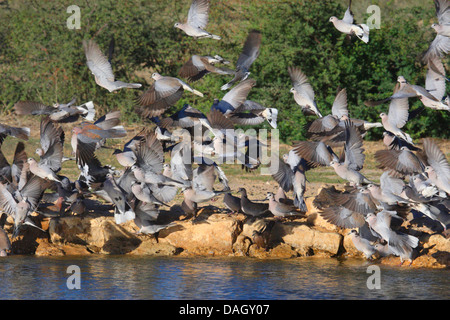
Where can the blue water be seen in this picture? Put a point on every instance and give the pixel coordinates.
(169, 278)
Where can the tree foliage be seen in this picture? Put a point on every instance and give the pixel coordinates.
(41, 59)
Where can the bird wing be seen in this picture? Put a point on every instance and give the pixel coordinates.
(318, 153)
(250, 50)
(435, 78)
(33, 190)
(339, 107)
(300, 82)
(390, 184)
(198, 13)
(401, 161)
(348, 16)
(442, 11)
(398, 112)
(7, 202)
(150, 155)
(353, 150)
(342, 217)
(97, 62)
(282, 174)
(436, 159)
(355, 201)
(31, 107)
(239, 93)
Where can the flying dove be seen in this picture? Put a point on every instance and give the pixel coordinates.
(21, 133)
(401, 244)
(303, 92)
(346, 25)
(163, 94)
(22, 202)
(101, 68)
(199, 66)
(197, 20)
(438, 170)
(435, 84)
(106, 127)
(61, 113)
(440, 46)
(361, 244)
(248, 55)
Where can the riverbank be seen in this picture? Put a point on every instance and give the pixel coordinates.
(213, 232)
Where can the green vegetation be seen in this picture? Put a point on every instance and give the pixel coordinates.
(41, 59)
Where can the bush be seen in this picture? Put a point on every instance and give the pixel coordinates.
(41, 59)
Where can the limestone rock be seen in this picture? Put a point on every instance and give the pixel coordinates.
(211, 235)
(98, 231)
(304, 238)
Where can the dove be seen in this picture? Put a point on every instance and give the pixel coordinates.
(401, 244)
(198, 66)
(361, 244)
(197, 20)
(249, 53)
(262, 237)
(346, 25)
(251, 208)
(303, 92)
(438, 170)
(163, 94)
(101, 68)
(233, 203)
(281, 208)
(20, 203)
(440, 46)
(61, 113)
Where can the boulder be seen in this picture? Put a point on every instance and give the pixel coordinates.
(206, 235)
(99, 233)
(305, 238)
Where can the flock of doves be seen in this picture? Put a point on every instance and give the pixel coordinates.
(412, 179)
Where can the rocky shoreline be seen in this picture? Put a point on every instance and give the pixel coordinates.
(214, 233)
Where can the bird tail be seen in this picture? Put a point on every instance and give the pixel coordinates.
(197, 92)
(21, 133)
(124, 217)
(365, 34)
(300, 203)
(369, 125)
(117, 132)
(89, 110)
(215, 37)
(226, 86)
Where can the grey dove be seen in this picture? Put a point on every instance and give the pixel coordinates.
(361, 244)
(401, 244)
(101, 68)
(197, 20)
(249, 53)
(303, 92)
(346, 25)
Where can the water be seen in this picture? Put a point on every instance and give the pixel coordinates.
(169, 278)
